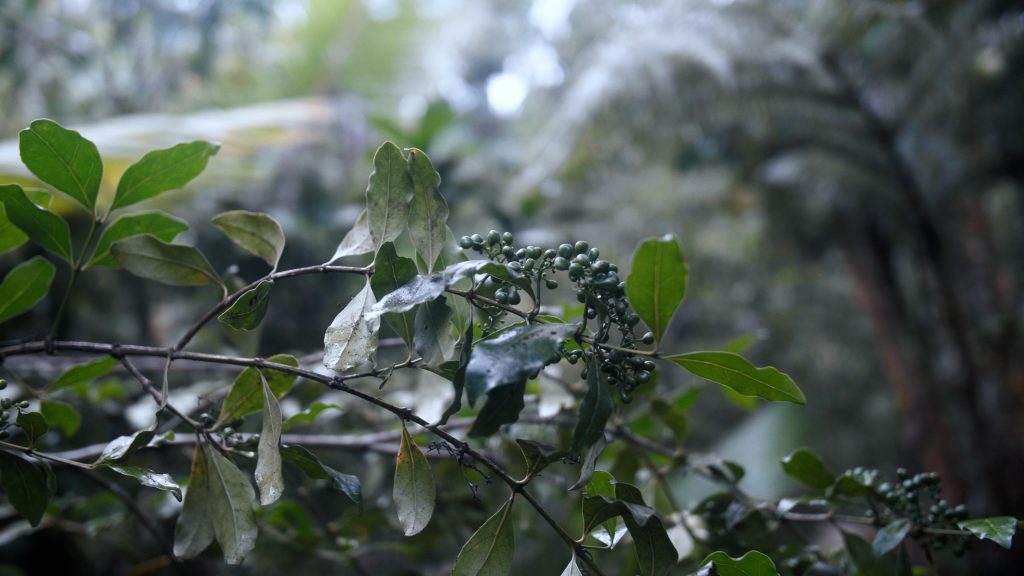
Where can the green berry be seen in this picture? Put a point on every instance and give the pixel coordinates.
(551, 284)
(514, 298)
(581, 247)
(561, 263)
(477, 239)
(507, 238)
(23, 405)
(514, 266)
(493, 237)
(3, 384)
(565, 251)
(647, 338)
(529, 264)
(594, 253)
(549, 254)
(575, 269)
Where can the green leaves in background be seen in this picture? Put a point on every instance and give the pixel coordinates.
(428, 211)
(672, 416)
(41, 226)
(309, 414)
(63, 159)
(999, 529)
(25, 286)
(656, 554)
(149, 478)
(414, 491)
(386, 195)
(513, 356)
(84, 373)
(218, 505)
(312, 467)
(595, 408)
(25, 485)
(269, 478)
(248, 310)
(10, 235)
(162, 170)
(890, 536)
(155, 223)
(61, 415)
(33, 424)
(246, 394)
(356, 242)
(391, 272)
(752, 563)
(173, 264)
(490, 549)
(351, 339)
(734, 371)
(657, 282)
(256, 232)
(807, 467)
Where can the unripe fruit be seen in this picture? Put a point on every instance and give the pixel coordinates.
(647, 338)
(507, 238)
(561, 263)
(477, 239)
(565, 251)
(582, 247)
(493, 237)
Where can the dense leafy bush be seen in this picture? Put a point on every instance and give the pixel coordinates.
(483, 324)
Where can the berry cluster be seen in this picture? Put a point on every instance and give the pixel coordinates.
(597, 285)
(5, 416)
(918, 499)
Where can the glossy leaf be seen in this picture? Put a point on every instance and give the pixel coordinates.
(428, 211)
(194, 531)
(459, 378)
(308, 415)
(10, 235)
(33, 424)
(84, 373)
(752, 563)
(807, 467)
(269, 478)
(420, 289)
(656, 555)
(387, 195)
(572, 569)
(123, 446)
(41, 226)
(248, 310)
(256, 232)
(174, 264)
(999, 529)
(25, 485)
(735, 372)
(595, 408)
(312, 467)
(539, 455)
(656, 284)
(246, 394)
(602, 483)
(414, 491)
(351, 339)
(490, 549)
(587, 468)
(24, 286)
(149, 478)
(162, 170)
(513, 356)
(433, 338)
(391, 272)
(503, 406)
(890, 536)
(61, 415)
(356, 242)
(63, 159)
(157, 224)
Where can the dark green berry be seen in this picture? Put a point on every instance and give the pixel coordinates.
(514, 298)
(551, 284)
(493, 237)
(561, 263)
(565, 251)
(581, 247)
(549, 254)
(477, 239)
(465, 242)
(507, 238)
(575, 269)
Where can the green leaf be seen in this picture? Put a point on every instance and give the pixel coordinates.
(33, 424)
(855, 482)
(246, 394)
(420, 289)
(414, 491)
(656, 555)
(162, 170)
(513, 356)
(25, 485)
(174, 264)
(890, 536)
(155, 223)
(734, 371)
(351, 339)
(656, 284)
(489, 551)
(459, 378)
(601, 483)
(218, 505)
(752, 563)
(864, 560)
(387, 194)
(999, 529)
(268, 475)
(671, 416)
(433, 338)
(63, 159)
(539, 455)
(257, 232)
(428, 211)
(308, 415)
(123, 446)
(24, 287)
(807, 467)
(587, 468)
(595, 408)
(391, 272)
(503, 406)
(572, 569)
(248, 310)
(84, 373)
(147, 477)
(10, 235)
(312, 467)
(61, 415)
(42, 226)
(357, 241)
